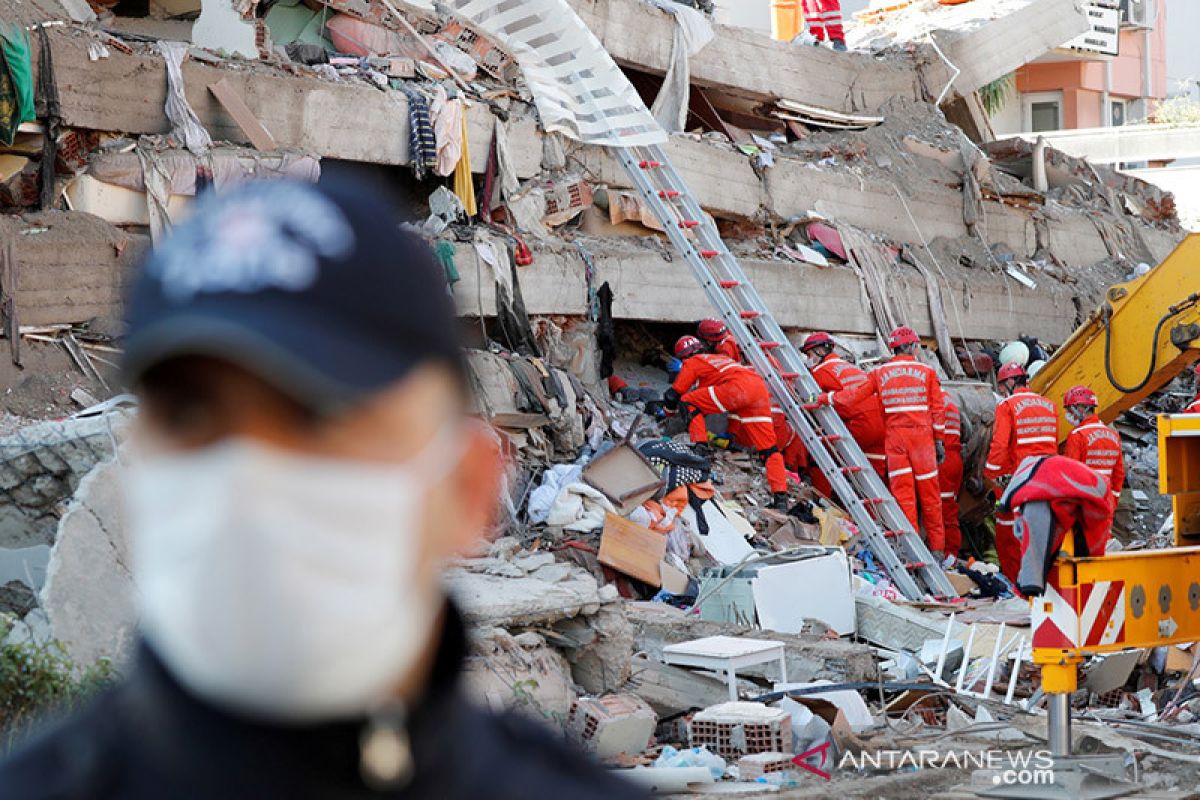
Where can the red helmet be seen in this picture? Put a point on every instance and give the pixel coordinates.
(1010, 370)
(1080, 396)
(711, 330)
(816, 340)
(687, 346)
(902, 336)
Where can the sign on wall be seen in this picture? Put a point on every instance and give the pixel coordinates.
(1104, 37)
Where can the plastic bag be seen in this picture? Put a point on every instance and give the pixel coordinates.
(692, 757)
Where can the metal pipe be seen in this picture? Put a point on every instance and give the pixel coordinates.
(1058, 723)
(1106, 97)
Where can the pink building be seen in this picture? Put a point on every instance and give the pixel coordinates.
(1068, 89)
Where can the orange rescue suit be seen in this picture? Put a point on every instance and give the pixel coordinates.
(723, 386)
(950, 474)
(1099, 447)
(1026, 425)
(864, 420)
(911, 396)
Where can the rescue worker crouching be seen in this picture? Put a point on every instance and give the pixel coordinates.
(723, 386)
(911, 396)
(1092, 442)
(1026, 425)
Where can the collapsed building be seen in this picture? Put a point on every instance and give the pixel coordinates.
(859, 190)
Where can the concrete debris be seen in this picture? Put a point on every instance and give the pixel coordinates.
(870, 197)
(41, 467)
(612, 725)
(88, 594)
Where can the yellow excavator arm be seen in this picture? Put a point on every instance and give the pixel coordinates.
(1146, 333)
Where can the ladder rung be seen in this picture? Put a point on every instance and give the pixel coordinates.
(710, 253)
(872, 501)
(649, 164)
(829, 437)
(811, 407)
(915, 565)
(668, 194)
(892, 534)
(730, 284)
(768, 345)
(689, 223)
(789, 376)
(750, 314)
(852, 468)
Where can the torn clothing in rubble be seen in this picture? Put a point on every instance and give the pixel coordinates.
(692, 32)
(185, 125)
(16, 81)
(1049, 498)
(149, 738)
(446, 114)
(422, 142)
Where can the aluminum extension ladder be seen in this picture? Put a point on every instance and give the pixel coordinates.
(883, 525)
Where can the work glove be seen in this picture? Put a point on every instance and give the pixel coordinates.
(817, 399)
(940, 448)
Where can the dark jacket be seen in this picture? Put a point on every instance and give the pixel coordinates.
(149, 739)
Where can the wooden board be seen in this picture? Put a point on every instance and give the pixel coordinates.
(633, 550)
(258, 135)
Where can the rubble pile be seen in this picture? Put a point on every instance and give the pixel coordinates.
(641, 595)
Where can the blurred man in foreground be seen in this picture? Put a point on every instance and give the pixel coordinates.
(303, 466)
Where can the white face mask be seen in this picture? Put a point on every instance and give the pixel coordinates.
(284, 585)
(1075, 416)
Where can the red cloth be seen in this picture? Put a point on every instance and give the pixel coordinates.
(1026, 425)
(911, 396)
(727, 347)
(824, 19)
(950, 473)
(1078, 496)
(1098, 446)
(615, 384)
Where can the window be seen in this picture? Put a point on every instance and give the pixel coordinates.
(1042, 111)
(1118, 113)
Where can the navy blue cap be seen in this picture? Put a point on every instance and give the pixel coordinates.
(313, 288)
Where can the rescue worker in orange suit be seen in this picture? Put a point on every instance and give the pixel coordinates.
(911, 396)
(723, 386)
(715, 334)
(824, 20)
(1091, 441)
(950, 474)
(1194, 406)
(1026, 425)
(834, 374)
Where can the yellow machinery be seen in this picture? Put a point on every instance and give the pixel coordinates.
(1140, 599)
(1146, 333)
